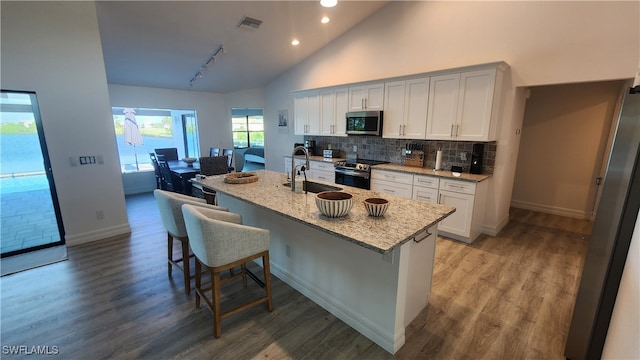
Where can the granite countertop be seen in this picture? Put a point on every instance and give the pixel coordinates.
(431, 172)
(402, 222)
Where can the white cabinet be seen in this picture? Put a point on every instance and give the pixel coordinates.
(306, 109)
(425, 188)
(322, 171)
(468, 198)
(464, 106)
(366, 97)
(334, 104)
(392, 183)
(405, 109)
(287, 164)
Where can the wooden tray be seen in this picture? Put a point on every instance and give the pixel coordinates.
(241, 178)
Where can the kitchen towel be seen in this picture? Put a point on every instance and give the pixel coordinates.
(438, 160)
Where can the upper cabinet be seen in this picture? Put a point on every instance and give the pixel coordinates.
(366, 97)
(334, 104)
(464, 106)
(405, 109)
(306, 111)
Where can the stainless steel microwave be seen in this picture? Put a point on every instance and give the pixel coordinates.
(364, 123)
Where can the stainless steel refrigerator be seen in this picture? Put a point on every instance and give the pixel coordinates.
(610, 239)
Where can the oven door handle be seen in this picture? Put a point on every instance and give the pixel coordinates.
(352, 173)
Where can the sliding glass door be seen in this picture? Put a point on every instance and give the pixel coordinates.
(30, 212)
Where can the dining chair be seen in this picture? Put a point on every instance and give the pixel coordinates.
(209, 165)
(167, 178)
(214, 165)
(214, 151)
(170, 154)
(156, 170)
(169, 205)
(229, 154)
(219, 242)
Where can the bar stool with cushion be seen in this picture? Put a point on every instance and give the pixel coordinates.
(169, 204)
(220, 242)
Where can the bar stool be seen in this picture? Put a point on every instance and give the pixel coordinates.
(219, 242)
(169, 204)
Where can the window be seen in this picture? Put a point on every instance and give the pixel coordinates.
(248, 128)
(157, 128)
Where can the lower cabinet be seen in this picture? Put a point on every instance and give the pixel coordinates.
(392, 183)
(425, 188)
(469, 199)
(322, 171)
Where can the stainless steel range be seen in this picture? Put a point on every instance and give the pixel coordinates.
(356, 173)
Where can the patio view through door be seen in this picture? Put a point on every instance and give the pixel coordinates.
(29, 211)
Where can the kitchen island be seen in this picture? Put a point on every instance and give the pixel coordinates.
(372, 273)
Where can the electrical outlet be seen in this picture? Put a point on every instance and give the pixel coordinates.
(99, 214)
(463, 156)
(287, 250)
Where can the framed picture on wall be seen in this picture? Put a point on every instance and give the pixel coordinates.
(283, 121)
(283, 118)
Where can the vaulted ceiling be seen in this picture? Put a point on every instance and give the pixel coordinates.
(165, 43)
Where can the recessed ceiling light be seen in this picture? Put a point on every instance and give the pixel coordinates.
(295, 42)
(328, 3)
(325, 19)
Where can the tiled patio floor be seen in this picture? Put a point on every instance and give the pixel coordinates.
(27, 213)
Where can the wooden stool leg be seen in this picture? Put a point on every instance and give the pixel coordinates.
(267, 280)
(186, 266)
(243, 269)
(198, 282)
(215, 292)
(169, 253)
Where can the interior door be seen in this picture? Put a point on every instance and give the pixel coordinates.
(30, 212)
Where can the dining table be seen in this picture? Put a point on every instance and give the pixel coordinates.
(184, 172)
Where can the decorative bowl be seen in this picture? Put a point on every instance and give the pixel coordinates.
(189, 160)
(334, 203)
(376, 206)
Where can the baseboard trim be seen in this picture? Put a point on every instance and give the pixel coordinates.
(553, 210)
(100, 234)
(494, 230)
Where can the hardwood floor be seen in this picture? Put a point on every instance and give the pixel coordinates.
(504, 297)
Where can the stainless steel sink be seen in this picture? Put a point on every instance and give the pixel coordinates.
(314, 187)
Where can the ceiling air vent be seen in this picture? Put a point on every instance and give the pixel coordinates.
(248, 23)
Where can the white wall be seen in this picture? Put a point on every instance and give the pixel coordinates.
(54, 49)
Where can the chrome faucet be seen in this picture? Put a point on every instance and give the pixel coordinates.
(293, 164)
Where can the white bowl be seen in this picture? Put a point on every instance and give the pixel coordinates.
(376, 206)
(334, 203)
(189, 160)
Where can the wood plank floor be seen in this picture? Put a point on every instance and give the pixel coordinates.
(504, 297)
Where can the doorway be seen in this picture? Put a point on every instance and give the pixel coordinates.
(563, 147)
(30, 213)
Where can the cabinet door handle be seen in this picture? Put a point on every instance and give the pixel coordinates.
(426, 235)
(451, 132)
(457, 130)
(362, 103)
(400, 130)
(439, 198)
(365, 103)
(391, 191)
(404, 129)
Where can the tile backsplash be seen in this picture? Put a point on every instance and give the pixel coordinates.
(391, 150)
